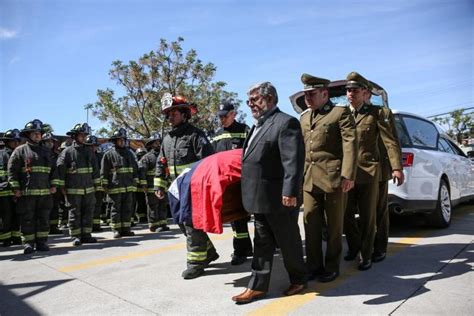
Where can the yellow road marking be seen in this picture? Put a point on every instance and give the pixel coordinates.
(133, 255)
(285, 305)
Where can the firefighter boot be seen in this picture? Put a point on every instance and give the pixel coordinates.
(88, 239)
(42, 246)
(192, 272)
(54, 230)
(28, 248)
(117, 234)
(163, 228)
(76, 242)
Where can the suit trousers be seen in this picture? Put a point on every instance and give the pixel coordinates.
(121, 210)
(360, 234)
(318, 205)
(34, 217)
(277, 228)
(382, 219)
(241, 242)
(81, 214)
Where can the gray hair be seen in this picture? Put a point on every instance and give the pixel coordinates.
(264, 89)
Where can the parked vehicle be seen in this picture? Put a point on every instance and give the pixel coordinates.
(438, 174)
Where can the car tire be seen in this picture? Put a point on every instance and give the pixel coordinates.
(441, 216)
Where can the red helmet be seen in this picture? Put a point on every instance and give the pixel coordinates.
(168, 103)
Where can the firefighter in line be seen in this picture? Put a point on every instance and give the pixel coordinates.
(232, 135)
(119, 174)
(182, 146)
(157, 211)
(8, 218)
(140, 204)
(48, 141)
(63, 211)
(77, 176)
(93, 144)
(30, 176)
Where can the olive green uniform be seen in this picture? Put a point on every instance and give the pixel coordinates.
(382, 214)
(330, 142)
(372, 127)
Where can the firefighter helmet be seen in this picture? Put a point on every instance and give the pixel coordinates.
(168, 103)
(92, 140)
(120, 133)
(140, 152)
(11, 134)
(155, 137)
(32, 126)
(64, 145)
(80, 129)
(48, 136)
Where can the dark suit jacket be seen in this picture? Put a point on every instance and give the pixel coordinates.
(272, 165)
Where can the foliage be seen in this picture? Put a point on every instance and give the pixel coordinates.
(459, 123)
(143, 83)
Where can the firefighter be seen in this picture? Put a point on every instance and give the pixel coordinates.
(232, 136)
(140, 205)
(93, 143)
(119, 174)
(9, 230)
(48, 141)
(30, 175)
(157, 211)
(182, 146)
(78, 174)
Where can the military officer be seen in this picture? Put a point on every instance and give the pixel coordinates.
(232, 135)
(371, 126)
(330, 167)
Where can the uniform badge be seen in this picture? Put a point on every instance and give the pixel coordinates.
(166, 100)
(326, 108)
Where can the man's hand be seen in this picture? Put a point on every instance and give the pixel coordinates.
(160, 194)
(347, 185)
(288, 201)
(398, 177)
(52, 190)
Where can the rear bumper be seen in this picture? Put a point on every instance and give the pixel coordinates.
(410, 206)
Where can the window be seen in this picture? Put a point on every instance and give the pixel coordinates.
(444, 146)
(403, 137)
(422, 133)
(456, 149)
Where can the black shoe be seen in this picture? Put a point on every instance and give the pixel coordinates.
(378, 256)
(88, 240)
(28, 249)
(163, 228)
(7, 242)
(54, 230)
(42, 246)
(128, 233)
(211, 258)
(316, 274)
(117, 234)
(237, 260)
(350, 256)
(76, 242)
(328, 277)
(192, 273)
(153, 229)
(365, 265)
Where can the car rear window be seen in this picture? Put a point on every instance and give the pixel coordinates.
(421, 133)
(403, 137)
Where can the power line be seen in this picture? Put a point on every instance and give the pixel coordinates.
(464, 109)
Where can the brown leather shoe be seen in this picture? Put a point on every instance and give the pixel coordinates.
(295, 289)
(248, 296)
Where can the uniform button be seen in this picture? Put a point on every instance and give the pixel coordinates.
(311, 131)
(312, 162)
(310, 141)
(310, 151)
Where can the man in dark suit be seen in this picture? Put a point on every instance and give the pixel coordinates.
(272, 178)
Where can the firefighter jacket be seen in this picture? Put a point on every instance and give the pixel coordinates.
(231, 137)
(5, 189)
(146, 168)
(183, 145)
(77, 170)
(30, 169)
(119, 171)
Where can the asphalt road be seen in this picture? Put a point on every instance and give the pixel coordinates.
(427, 271)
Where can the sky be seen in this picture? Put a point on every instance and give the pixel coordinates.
(56, 54)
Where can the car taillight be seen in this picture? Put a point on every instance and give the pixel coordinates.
(407, 159)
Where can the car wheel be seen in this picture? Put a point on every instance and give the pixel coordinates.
(441, 217)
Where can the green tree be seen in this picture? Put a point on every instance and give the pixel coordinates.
(459, 124)
(136, 105)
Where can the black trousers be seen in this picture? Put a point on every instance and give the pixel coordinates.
(157, 210)
(7, 209)
(199, 247)
(81, 214)
(277, 228)
(34, 217)
(382, 219)
(121, 211)
(99, 201)
(54, 214)
(241, 242)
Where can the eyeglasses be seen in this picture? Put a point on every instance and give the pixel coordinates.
(253, 100)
